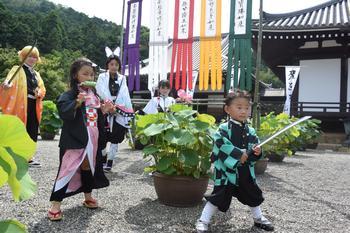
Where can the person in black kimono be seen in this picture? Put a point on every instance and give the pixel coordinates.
(81, 141)
(234, 154)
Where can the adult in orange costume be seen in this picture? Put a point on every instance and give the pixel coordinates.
(23, 96)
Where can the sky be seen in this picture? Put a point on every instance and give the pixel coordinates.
(111, 10)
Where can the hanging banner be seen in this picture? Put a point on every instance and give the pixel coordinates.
(210, 45)
(190, 91)
(131, 53)
(182, 44)
(292, 73)
(240, 51)
(158, 43)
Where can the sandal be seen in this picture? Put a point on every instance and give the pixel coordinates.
(54, 216)
(91, 204)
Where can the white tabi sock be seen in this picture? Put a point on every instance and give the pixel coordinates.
(256, 212)
(208, 212)
(113, 149)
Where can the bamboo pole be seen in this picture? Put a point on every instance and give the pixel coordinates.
(122, 35)
(256, 104)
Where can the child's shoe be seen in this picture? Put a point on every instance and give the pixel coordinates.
(108, 166)
(201, 226)
(263, 223)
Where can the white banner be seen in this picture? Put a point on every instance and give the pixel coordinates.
(184, 19)
(292, 73)
(134, 16)
(240, 17)
(194, 81)
(210, 18)
(158, 43)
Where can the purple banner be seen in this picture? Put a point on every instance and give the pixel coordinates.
(131, 53)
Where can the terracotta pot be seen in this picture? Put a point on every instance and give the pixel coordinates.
(47, 136)
(275, 157)
(260, 166)
(180, 191)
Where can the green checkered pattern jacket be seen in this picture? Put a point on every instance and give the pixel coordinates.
(226, 156)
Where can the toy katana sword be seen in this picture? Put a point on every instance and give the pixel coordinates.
(22, 63)
(283, 130)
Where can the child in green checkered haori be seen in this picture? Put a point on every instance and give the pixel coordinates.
(234, 155)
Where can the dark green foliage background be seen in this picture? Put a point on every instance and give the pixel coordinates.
(62, 35)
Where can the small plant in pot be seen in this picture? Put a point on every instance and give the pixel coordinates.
(279, 147)
(50, 121)
(179, 143)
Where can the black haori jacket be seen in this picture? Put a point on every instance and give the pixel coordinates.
(74, 133)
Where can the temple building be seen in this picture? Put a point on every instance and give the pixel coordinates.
(318, 40)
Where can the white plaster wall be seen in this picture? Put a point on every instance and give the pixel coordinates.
(319, 81)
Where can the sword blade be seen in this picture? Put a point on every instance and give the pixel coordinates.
(284, 129)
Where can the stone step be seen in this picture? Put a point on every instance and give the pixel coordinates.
(329, 146)
(332, 138)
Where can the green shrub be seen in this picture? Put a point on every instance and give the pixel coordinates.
(180, 141)
(50, 121)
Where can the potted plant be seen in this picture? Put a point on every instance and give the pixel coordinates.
(50, 121)
(180, 143)
(312, 133)
(279, 147)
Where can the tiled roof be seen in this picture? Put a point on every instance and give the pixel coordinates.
(334, 14)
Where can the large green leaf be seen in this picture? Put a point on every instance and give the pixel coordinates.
(164, 163)
(155, 129)
(179, 107)
(16, 148)
(143, 120)
(200, 125)
(13, 134)
(27, 185)
(185, 113)
(179, 137)
(206, 118)
(150, 149)
(3, 177)
(191, 157)
(9, 165)
(169, 171)
(12, 226)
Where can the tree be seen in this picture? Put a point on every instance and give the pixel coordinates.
(8, 58)
(55, 72)
(54, 33)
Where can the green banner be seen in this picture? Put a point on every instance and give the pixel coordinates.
(239, 52)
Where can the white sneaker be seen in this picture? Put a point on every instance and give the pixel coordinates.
(201, 226)
(263, 223)
(33, 163)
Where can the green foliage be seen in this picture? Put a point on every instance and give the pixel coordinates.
(8, 57)
(297, 137)
(180, 141)
(50, 121)
(270, 124)
(10, 226)
(55, 71)
(16, 148)
(268, 77)
(309, 133)
(57, 27)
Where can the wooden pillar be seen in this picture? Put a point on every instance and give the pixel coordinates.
(343, 82)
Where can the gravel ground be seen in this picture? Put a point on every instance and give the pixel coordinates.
(306, 193)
